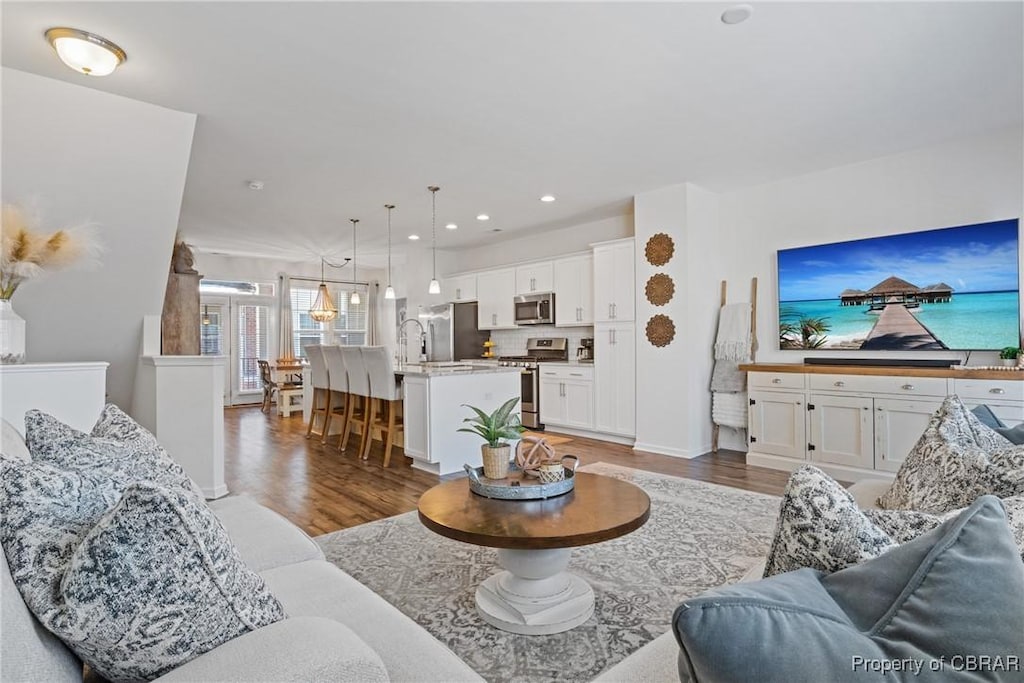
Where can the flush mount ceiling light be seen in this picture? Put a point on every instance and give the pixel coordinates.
(483, 217)
(548, 198)
(451, 226)
(435, 286)
(414, 237)
(323, 309)
(86, 53)
(737, 14)
(354, 299)
(256, 185)
(389, 293)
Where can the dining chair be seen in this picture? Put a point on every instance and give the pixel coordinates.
(386, 393)
(337, 396)
(271, 386)
(358, 396)
(320, 382)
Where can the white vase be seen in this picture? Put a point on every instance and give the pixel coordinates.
(12, 334)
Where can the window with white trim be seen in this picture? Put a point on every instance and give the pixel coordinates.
(348, 329)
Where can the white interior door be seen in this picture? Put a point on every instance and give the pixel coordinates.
(215, 334)
(243, 329)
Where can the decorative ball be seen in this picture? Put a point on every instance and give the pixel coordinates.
(532, 452)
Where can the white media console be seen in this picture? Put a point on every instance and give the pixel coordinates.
(859, 421)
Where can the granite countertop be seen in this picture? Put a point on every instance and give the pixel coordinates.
(581, 363)
(440, 370)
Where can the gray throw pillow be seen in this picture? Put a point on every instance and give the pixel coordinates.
(155, 584)
(1014, 435)
(956, 460)
(820, 526)
(946, 607)
(118, 445)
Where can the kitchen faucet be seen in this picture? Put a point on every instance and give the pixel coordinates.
(403, 340)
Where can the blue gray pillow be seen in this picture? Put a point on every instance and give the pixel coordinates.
(953, 593)
(1014, 435)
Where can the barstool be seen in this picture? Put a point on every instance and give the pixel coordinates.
(386, 393)
(358, 396)
(337, 401)
(320, 381)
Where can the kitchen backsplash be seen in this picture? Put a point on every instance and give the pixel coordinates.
(513, 342)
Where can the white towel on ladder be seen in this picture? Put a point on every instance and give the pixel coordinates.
(734, 340)
(729, 409)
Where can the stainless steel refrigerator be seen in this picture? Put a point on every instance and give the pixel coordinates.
(452, 334)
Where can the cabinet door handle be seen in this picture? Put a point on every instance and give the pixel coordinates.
(997, 390)
(458, 293)
(561, 390)
(609, 311)
(776, 381)
(908, 387)
(839, 384)
(575, 374)
(615, 313)
(494, 318)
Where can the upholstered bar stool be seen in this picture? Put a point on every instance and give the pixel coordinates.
(386, 393)
(320, 381)
(358, 412)
(337, 396)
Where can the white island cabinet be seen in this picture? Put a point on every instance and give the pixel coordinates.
(433, 401)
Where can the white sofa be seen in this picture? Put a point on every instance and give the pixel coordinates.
(337, 629)
(657, 660)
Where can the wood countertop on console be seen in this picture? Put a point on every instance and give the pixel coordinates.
(884, 370)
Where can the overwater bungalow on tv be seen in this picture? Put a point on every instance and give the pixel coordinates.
(894, 290)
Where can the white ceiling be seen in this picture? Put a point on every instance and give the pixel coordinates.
(341, 107)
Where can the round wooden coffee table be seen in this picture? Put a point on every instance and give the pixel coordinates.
(535, 594)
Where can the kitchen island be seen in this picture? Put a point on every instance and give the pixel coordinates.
(434, 394)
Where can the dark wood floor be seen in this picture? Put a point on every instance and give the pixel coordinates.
(322, 489)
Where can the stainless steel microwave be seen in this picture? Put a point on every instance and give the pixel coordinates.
(535, 309)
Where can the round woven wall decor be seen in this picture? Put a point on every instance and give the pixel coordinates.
(659, 249)
(661, 330)
(660, 289)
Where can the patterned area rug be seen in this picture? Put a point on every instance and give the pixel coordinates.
(699, 536)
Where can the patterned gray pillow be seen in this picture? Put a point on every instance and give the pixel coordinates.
(118, 445)
(955, 461)
(155, 584)
(821, 527)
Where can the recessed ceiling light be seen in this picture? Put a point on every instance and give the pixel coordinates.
(414, 237)
(737, 14)
(256, 185)
(548, 198)
(451, 226)
(86, 53)
(495, 229)
(483, 217)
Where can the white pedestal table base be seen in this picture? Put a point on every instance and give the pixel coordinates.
(535, 595)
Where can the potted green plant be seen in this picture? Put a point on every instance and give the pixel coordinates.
(495, 428)
(1009, 355)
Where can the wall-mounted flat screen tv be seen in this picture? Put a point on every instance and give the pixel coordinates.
(947, 289)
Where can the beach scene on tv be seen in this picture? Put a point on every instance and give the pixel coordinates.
(951, 288)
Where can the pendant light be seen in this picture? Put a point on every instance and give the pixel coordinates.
(435, 286)
(206, 314)
(355, 300)
(323, 309)
(389, 293)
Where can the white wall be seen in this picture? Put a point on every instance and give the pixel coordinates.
(967, 181)
(544, 245)
(82, 155)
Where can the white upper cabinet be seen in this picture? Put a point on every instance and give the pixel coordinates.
(614, 282)
(535, 277)
(495, 290)
(459, 288)
(574, 291)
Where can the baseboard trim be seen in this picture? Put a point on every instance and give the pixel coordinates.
(665, 450)
(215, 492)
(600, 436)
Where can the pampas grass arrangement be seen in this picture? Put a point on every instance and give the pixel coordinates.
(26, 252)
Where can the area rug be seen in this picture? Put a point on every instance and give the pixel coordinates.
(699, 535)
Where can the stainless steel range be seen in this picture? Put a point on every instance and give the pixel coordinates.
(538, 349)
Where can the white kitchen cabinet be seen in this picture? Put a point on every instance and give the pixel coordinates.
(574, 291)
(495, 290)
(777, 423)
(535, 277)
(841, 430)
(615, 378)
(567, 396)
(898, 425)
(1004, 397)
(459, 288)
(614, 281)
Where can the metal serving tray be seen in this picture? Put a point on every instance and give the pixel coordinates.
(518, 485)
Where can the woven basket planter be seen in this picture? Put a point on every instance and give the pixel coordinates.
(496, 460)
